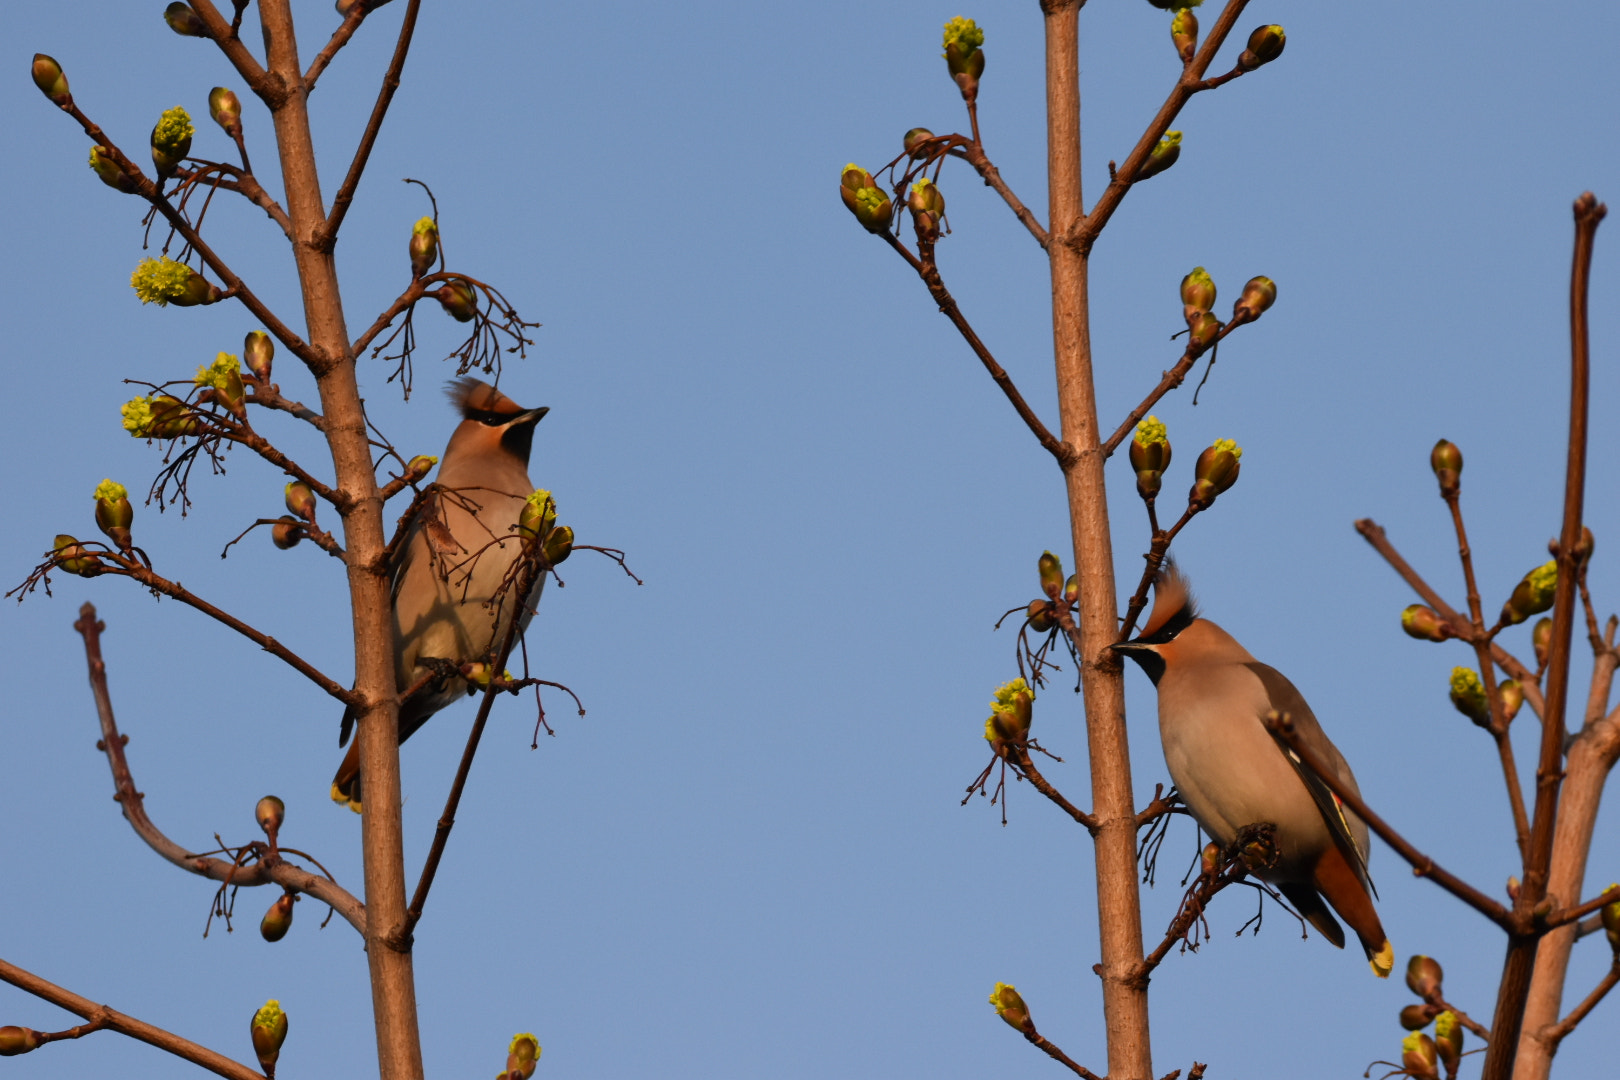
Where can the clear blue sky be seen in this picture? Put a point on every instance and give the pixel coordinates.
(748, 859)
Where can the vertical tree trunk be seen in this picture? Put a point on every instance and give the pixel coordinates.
(1119, 913)
(393, 986)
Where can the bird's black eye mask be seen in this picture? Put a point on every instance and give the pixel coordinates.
(487, 417)
(1172, 626)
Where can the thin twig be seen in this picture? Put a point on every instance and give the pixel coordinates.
(1022, 760)
(131, 801)
(103, 1018)
(1171, 379)
(340, 37)
(1554, 1035)
(973, 153)
(1581, 911)
(271, 90)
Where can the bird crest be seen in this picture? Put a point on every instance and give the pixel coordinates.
(477, 400)
(1174, 608)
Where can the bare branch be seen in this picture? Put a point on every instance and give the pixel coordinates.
(1021, 759)
(1580, 911)
(271, 90)
(103, 1018)
(973, 153)
(340, 37)
(1554, 1035)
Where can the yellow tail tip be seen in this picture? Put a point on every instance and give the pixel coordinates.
(1384, 961)
(343, 800)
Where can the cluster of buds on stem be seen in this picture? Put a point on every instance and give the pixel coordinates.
(1010, 715)
(1042, 615)
(457, 298)
(158, 416)
(869, 203)
(521, 1057)
(171, 141)
(163, 281)
(1447, 462)
(1011, 1008)
(1468, 695)
(964, 56)
(537, 522)
(1425, 624)
(114, 514)
(1197, 298)
(927, 206)
(1216, 471)
(269, 1031)
(258, 352)
(184, 21)
(1162, 156)
(1150, 456)
(51, 81)
(226, 109)
(1533, 594)
(1265, 45)
(1184, 34)
(424, 246)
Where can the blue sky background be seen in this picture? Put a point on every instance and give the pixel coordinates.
(748, 858)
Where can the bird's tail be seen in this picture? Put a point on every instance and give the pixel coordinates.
(346, 784)
(1339, 883)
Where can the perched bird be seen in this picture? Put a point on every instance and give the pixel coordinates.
(1231, 772)
(453, 561)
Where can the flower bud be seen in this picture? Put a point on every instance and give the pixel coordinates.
(914, 140)
(107, 168)
(1216, 471)
(1010, 713)
(163, 281)
(1583, 547)
(1533, 594)
(72, 558)
(458, 299)
(538, 515)
(1511, 696)
(1265, 45)
(1448, 1039)
(1040, 616)
(113, 512)
(278, 920)
(1204, 331)
(1512, 889)
(223, 380)
(286, 533)
(559, 544)
(183, 21)
(1425, 624)
(1011, 1008)
(925, 198)
(1259, 293)
(269, 1031)
(424, 246)
(1416, 1017)
(1150, 456)
(51, 81)
(1447, 462)
(1071, 588)
(301, 500)
(18, 1040)
(270, 813)
(1209, 859)
(171, 141)
(170, 418)
(1423, 975)
(1609, 916)
(869, 203)
(226, 109)
(1541, 638)
(419, 466)
(963, 57)
(1197, 293)
(1420, 1057)
(1163, 156)
(1468, 695)
(521, 1057)
(1184, 34)
(1051, 568)
(258, 350)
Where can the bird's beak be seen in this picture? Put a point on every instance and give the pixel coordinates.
(1145, 655)
(530, 416)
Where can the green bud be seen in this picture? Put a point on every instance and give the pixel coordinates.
(1215, 471)
(1209, 859)
(458, 299)
(1197, 292)
(1184, 34)
(1011, 713)
(869, 203)
(171, 418)
(925, 198)
(301, 500)
(1448, 1039)
(1051, 568)
(278, 920)
(114, 514)
(73, 558)
(1011, 1008)
(1609, 916)
(914, 139)
(198, 291)
(107, 168)
(286, 533)
(1265, 45)
(1163, 156)
(1040, 616)
(258, 350)
(269, 1030)
(1447, 462)
(1533, 594)
(1423, 975)
(183, 21)
(1071, 588)
(964, 58)
(1149, 452)
(51, 81)
(226, 109)
(559, 545)
(419, 466)
(1425, 624)
(1417, 1017)
(1258, 295)
(521, 1057)
(18, 1040)
(1583, 547)
(1468, 695)
(171, 141)
(270, 813)
(538, 515)
(1420, 1057)
(424, 246)
(1541, 638)
(1511, 697)
(1204, 330)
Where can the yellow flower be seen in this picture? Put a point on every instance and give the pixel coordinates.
(137, 413)
(111, 491)
(1468, 695)
(525, 1045)
(1151, 431)
(173, 128)
(1010, 1007)
(1230, 446)
(218, 374)
(965, 34)
(158, 281)
(424, 227)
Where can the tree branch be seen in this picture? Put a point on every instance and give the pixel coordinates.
(1555, 1035)
(973, 153)
(340, 37)
(101, 1017)
(1022, 760)
(1172, 379)
(270, 89)
(131, 800)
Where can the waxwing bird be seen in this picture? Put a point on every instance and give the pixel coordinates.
(1231, 772)
(452, 562)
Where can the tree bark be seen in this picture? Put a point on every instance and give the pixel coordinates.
(393, 986)
(1119, 915)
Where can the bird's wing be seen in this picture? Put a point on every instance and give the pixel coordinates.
(1286, 698)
